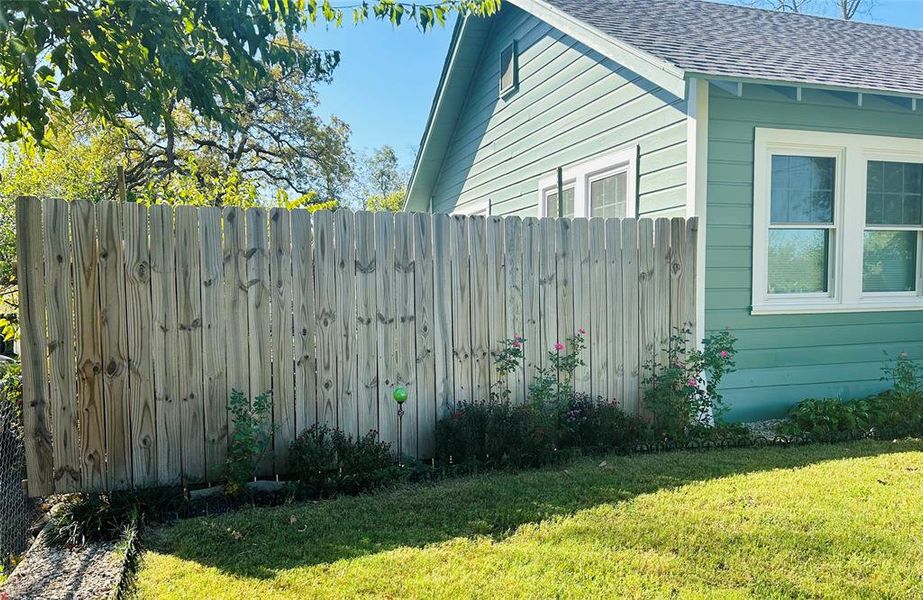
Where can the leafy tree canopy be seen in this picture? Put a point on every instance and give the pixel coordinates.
(380, 183)
(136, 58)
(278, 144)
(391, 202)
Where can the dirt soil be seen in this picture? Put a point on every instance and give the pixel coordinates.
(49, 572)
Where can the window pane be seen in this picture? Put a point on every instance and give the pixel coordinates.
(889, 261)
(894, 193)
(551, 203)
(798, 260)
(508, 68)
(608, 196)
(802, 189)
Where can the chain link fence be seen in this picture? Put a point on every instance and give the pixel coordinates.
(17, 511)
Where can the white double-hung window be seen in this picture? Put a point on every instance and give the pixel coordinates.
(602, 187)
(893, 227)
(837, 222)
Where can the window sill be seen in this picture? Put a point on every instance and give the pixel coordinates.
(505, 94)
(802, 308)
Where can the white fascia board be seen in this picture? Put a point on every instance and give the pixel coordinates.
(656, 70)
(719, 77)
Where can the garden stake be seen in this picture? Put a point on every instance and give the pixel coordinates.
(400, 396)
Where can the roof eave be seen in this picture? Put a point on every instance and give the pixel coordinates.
(800, 84)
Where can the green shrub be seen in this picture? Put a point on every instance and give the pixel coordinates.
(588, 423)
(826, 418)
(680, 395)
(496, 434)
(899, 411)
(684, 391)
(250, 439)
(896, 412)
(103, 516)
(364, 464)
(312, 457)
(328, 461)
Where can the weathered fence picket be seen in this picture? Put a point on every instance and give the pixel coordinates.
(89, 346)
(138, 322)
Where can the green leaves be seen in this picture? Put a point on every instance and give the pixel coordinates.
(136, 58)
(249, 442)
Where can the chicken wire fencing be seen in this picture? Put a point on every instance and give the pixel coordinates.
(17, 511)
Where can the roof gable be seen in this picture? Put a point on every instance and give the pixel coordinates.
(671, 41)
(464, 58)
(723, 40)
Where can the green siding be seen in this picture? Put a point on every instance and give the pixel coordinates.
(572, 105)
(785, 358)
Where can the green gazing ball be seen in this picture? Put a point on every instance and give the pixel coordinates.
(400, 395)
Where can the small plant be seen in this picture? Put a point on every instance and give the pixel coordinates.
(906, 376)
(507, 360)
(899, 411)
(554, 384)
(250, 440)
(685, 390)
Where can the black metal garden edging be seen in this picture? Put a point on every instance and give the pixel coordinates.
(761, 441)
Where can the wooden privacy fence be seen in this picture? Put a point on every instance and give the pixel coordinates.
(137, 323)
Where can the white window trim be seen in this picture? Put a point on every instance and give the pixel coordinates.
(852, 152)
(548, 186)
(580, 176)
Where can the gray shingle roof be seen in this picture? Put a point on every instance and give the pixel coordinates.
(733, 41)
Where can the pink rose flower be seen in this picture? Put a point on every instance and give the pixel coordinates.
(692, 383)
(558, 346)
(581, 331)
(725, 354)
(517, 344)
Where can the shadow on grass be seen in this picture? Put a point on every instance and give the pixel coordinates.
(257, 542)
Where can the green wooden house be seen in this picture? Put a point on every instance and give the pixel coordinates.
(797, 140)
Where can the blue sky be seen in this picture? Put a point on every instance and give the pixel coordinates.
(387, 76)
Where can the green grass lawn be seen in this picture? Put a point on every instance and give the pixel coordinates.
(817, 521)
